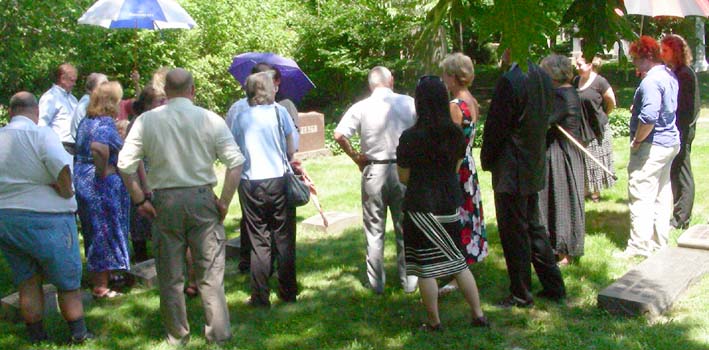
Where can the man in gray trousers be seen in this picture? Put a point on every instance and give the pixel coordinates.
(379, 119)
(182, 142)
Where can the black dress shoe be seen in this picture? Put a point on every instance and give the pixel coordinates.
(549, 295)
(511, 301)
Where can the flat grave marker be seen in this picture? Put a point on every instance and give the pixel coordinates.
(655, 284)
(337, 222)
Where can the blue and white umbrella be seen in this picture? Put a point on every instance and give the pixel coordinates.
(138, 14)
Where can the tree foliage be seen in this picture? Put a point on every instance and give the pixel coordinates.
(596, 20)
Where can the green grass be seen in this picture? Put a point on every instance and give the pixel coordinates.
(335, 311)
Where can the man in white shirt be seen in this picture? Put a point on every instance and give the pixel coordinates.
(56, 106)
(38, 233)
(182, 142)
(92, 81)
(379, 119)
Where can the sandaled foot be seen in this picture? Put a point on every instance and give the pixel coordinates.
(447, 289)
(105, 294)
(481, 322)
(426, 327)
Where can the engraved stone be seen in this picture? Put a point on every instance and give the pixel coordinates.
(145, 273)
(696, 237)
(653, 286)
(312, 135)
(11, 304)
(337, 222)
(233, 247)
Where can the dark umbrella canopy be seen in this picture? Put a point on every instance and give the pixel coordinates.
(294, 83)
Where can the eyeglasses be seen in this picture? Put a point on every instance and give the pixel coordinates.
(429, 77)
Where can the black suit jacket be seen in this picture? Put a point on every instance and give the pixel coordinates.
(514, 137)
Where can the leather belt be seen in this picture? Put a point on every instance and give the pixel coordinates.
(385, 161)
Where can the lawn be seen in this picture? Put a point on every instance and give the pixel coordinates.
(335, 311)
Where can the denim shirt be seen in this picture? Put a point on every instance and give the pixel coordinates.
(655, 102)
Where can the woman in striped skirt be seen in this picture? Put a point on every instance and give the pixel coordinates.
(428, 157)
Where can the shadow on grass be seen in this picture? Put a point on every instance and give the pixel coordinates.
(614, 225)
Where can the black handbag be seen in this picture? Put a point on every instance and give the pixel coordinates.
(297, 192)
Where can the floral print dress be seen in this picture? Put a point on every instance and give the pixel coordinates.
(473, 235)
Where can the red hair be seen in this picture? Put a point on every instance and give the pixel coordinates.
(645, 47)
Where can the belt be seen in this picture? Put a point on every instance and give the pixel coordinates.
(385, 161)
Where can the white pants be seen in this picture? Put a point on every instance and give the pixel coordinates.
(650, 197)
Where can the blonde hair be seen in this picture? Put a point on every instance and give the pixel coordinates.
(105, 99)
(260, 89)
(460, 67)
(558, 67)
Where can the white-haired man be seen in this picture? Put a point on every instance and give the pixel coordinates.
(379, 120)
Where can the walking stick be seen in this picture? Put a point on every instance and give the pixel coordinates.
(586, 152)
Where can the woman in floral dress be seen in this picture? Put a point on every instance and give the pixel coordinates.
(102, 198)
(458, 74)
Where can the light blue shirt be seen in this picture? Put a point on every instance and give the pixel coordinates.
(257, 133)
(79, 114)
(655, 102)
(56, 110)
(243, 104)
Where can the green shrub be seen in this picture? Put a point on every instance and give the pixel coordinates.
(619, 121)
(332, 145)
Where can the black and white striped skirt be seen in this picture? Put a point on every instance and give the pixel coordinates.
(433, 244)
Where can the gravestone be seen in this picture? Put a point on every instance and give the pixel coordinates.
(312, 135)
(145, 273)
(337, 222)
(11, 304)
(233, 247)
(652, 287)
(696, 237)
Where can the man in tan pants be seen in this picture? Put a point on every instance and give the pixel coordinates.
(182, 141)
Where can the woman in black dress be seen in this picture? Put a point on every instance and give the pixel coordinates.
(561, 202)
(428, 157)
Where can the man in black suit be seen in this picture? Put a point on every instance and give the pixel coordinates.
(514, 146)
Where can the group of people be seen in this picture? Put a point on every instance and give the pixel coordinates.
(156, 174)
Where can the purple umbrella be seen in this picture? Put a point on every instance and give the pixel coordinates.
(294, 83)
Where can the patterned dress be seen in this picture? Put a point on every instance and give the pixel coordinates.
(104, 204)
(473, 234)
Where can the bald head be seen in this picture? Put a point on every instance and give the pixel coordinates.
(380, 77)
(24, 103)
(179, 83)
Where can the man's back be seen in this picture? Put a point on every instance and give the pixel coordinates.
(379, 119)
(181, 142)
(31, 157)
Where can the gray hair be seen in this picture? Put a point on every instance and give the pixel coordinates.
(178, 81)
(260, 89)
(558, 67)
(21, 102)
(379, 76)
(94, 80)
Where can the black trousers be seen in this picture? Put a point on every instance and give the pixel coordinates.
(525, 242)
(264, 212)
(682, 180)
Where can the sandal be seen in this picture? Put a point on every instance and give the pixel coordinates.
(426, 327)
(191, 291)
(480, 322)
(107, 294)
(447, 289)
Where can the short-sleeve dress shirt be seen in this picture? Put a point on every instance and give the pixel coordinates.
(56, 110)
(79, 114)
(31, 158)
(182, 141)
(256, 131)
(655, 102)
(379, 119)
